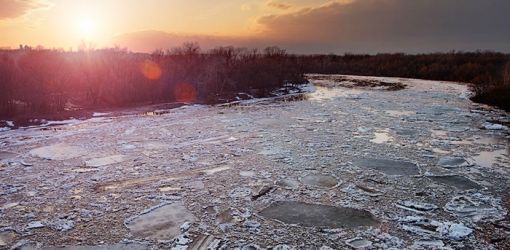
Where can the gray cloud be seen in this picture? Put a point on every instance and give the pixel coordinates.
(365, 26)
(16, 8)
(394, 25)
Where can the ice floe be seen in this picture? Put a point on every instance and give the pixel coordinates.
(60, 151)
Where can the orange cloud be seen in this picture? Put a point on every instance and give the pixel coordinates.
(277, 5)
(15, 8)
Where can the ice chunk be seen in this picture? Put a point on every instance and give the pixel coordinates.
(310, 215)
(240, 192)
(426, 244)
(247, 173)
(7, 237)
(59, 152)
(494, 126)
(453, 162)
(456, 181)
(288, 183)
(389, 167)
(419, 207)
(432, 228)
(476, 206)
(359, 243)
(34, 225)
(103, 161)
(119, 246)
(283, 247)
(454, 231)
(320, 180)
(161, 222)
(63, 225)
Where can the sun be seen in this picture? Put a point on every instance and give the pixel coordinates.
(86, 28)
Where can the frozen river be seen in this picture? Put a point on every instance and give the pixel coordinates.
(422, 167)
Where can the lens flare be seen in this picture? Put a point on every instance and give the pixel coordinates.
(185, 92)
(151, 70)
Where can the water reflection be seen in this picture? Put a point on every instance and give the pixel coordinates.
(500, 156)
(322, 94)
(489, 158)
(382, 136)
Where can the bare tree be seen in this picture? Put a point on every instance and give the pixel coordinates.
(506, 76)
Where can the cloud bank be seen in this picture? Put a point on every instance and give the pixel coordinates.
(373, 26)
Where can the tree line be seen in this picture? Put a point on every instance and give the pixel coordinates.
(43, 81)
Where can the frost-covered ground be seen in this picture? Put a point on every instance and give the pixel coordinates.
(421, 167)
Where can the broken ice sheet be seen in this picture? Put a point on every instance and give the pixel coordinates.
(453, 162)
(359, 192)
(161, 222)
(103, 161)
(7, 237)
(389, 167)
(6, 189)
(418, 207)
(27, 245)
(4, 155)
(317, 215)
(63, 225)
(398, 113)
(359, 243)
(311, 142)
(428, 244)
(203, 242)
(9, 205)
(61, 151)
(34, 225)
(320, 180)
(411, 133)
(288, 183)
(119, 246)
(476, 206)
(431, 228)
(494, 126)
(247, 173)
(457, 181)
(240, 192)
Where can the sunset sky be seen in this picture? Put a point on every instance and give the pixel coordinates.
(302, 26)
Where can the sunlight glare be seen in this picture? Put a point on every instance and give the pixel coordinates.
(86, 28)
